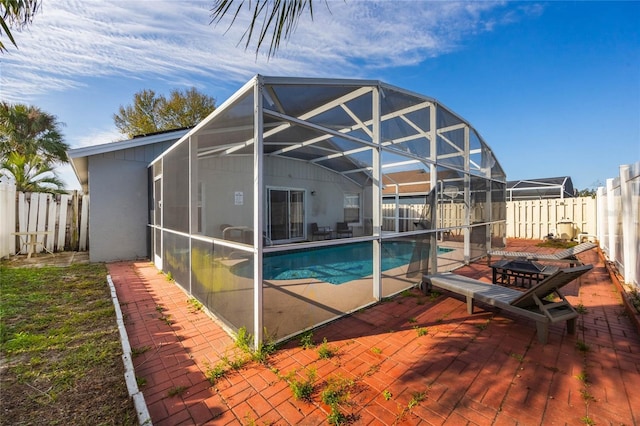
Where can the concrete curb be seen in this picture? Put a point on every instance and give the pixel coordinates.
(129, 373)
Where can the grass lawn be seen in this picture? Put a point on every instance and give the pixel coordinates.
(60, 352)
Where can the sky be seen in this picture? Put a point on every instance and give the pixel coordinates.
(552, 87)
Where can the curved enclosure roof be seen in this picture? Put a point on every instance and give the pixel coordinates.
(332, 124)
(541, 188)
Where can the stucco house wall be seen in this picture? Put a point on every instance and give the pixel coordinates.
(118, 214)
(225, 176)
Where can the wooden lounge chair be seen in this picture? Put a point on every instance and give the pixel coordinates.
(343, 230)
(531, 304)
(567, 255)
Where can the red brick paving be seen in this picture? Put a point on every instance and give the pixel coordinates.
(482, 369)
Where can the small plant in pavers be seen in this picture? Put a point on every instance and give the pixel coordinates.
(386, 395)
(244, 340)
(407, 293)
(264, 350)
(336, 392)
(325, 351)
(249, 420)
(372, 370)
(337, 417)
(581, 309)
(582, 346)
(484, 325)
(433, 295)
(302, 390)
(194, 305)
(237, 363)
(166, 319)
(176, 390)
(422, 331)
(216, 372)
(169, 276)
(306, 340)
(141, 381)
(160, 308)
(519, 357)
(416, 398)
(586, 396)
(412, 320)
(587, 420)
(376, 350)
(583, 377)
(139, 351)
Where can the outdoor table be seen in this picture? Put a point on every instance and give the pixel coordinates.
(29, 239)
(521, 272)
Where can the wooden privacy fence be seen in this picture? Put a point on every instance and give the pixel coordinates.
(60, 220)
(535, 219)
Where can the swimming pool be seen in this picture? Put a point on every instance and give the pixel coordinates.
(335, 264)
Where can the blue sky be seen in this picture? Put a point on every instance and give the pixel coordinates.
(552, 87)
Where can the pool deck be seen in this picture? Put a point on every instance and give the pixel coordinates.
(411, 360)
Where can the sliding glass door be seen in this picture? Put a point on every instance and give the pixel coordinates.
(285, 219)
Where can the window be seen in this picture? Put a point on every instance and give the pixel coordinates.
(352, 208)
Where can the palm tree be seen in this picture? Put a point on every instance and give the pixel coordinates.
(16, 14)
(30, 174)
(30, 131)
(280, 17)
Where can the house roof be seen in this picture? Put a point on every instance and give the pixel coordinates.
(540, 188)
(80, 156)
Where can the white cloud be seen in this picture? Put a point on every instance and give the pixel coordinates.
(97, 138)
(71, 40)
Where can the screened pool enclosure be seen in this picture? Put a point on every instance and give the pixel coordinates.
(299, 200)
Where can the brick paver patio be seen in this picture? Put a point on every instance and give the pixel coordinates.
(411, 360)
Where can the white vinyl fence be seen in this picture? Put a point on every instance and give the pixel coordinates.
(619, 225)
(60, 220)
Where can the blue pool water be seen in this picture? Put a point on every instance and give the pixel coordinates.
(335, 264)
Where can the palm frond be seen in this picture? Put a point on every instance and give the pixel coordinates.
(279, 19)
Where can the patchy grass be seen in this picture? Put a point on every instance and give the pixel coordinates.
(60, 348)
(560, 244)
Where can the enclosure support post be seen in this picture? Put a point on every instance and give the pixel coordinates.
(377, 197)
(257, 215)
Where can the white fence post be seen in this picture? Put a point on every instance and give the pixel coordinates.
(629, 223)
(62, 221)
(84, 224)
(7, 219)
